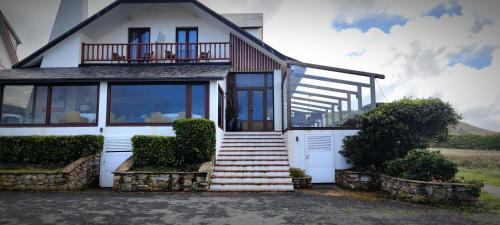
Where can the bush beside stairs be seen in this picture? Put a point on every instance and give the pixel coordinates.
(252, 162)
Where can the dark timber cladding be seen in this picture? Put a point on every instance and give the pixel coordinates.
(244, 57)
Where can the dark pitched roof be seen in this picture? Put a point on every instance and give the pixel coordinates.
(117, 2)
(118, 73)
(246, 20)
(9, 26)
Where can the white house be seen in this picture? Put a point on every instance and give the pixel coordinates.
(8, 43)
(136, 66)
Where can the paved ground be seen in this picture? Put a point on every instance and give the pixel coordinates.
(311, 207)
(494, 190)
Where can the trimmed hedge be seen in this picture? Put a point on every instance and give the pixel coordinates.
(472, 141)
(196, 139)
(155, 150)
(194, 143)
(48, 150)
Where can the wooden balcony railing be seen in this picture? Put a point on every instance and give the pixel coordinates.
(155, 53)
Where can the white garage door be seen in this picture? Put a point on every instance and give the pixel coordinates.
(320, 158)
(116, 151)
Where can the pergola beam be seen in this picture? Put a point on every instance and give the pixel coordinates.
(315, 100)
(325, 88)
(319, 95)
(333, 80)
(314, 106)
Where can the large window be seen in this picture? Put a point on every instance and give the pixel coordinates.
(68, 104)
(73, 104)
(156, 103)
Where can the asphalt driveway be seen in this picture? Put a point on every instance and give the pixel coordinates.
(106, 207)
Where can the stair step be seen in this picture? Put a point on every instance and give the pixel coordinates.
(252, 163)
(261, 148)
(252, 171)
(249, 160)
(253, 133)
(250, 180)
(235, 151)
(252, 183)
(251, 187)
(249, 177)
(251, 145)
(244, 137)
(250, 168)
(250, 190)
(252, 155)
(250, 174)
(260, 141)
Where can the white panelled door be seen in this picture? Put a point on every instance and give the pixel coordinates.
(116, 151)
(320, 158)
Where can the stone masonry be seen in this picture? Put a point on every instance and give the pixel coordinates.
(126, 181)
(78, 175)
(407, 190)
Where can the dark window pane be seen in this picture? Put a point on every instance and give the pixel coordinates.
(24, 104)
(198, 101)
(73, 104)
(220, 108)
(147, 103)
(257, 105)
(250, 80)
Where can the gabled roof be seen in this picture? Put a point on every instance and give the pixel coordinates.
(118, 2)
(11, 29)
(142, 72)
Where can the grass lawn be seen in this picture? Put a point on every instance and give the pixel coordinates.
(491, 177)
(489, 202)
(476, 164)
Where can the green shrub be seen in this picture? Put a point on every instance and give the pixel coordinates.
(472, 141)
(474, 186)
(196, 139)
(297, 173)
(422, 165)
(48, 150)
(155, 151)
(194, 143)
(392, 129)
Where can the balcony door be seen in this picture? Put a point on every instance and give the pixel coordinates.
(250, 105)
(187, 39)
(139, 49)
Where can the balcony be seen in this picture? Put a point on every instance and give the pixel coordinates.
(128, 53)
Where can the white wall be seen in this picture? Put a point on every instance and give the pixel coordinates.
(257, 32)
(277, 101)
(297, 149)
(65, 54)
(5, 60)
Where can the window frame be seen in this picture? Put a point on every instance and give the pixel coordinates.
(220, 108)
(188, 101)
(49, 105)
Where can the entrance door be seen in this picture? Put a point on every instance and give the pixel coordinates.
(320, 158)
(139, 49)
(251, 110)
(250, 102)
(187, 39)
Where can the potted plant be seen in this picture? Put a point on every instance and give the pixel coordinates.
(300, 179)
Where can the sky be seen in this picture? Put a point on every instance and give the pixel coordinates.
(430, 48)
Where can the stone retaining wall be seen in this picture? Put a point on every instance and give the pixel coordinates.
(357, 180)
(302, 182)
(407, 190)
(126, 181)
(78, 175)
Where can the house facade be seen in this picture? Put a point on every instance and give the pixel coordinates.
(136, 66)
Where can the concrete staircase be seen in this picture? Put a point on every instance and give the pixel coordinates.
(252, 161)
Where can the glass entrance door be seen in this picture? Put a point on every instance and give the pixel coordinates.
(187, 39)
(251, 106)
